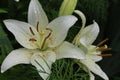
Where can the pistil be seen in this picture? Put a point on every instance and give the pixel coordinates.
(45, 39)
(42, 32)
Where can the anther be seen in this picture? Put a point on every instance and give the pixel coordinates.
(102, 42)
(103, 49)
(37, 27)
(49, 29)
(31, 31)
(32, 39)
(104, 54)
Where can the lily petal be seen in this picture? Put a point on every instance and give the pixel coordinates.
(21, 31)
(43, 63)
(82, 16)
(36, 14)
(60, 27)
(89, 34)
(67, 50)
(92, 77)
(94, 57)
(19, 56)
(94, 68)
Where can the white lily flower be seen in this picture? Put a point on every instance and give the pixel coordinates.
(84, 40)
(40, 39)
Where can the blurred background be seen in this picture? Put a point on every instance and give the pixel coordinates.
(105, 12)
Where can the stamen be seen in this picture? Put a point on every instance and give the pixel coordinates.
(31, 31)
(104, 54)
(37, 27)
(49, 29)
(32, 39)
(102, 42)
(103, 49)
(45, 40)
(46, 37)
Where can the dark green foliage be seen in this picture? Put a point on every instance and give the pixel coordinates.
(95, 10)
(5, 44)
(20, 72)
(69, 69)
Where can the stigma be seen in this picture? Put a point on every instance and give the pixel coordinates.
(42, 32)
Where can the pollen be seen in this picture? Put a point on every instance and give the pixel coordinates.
(105, 46)
(32, 40)
(42, 32)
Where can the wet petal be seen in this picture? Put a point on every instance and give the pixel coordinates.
(89, 34)
(36, 14)
(43, 62)
(22, 33)
(19, 56)
(67, 50)
(60, 27)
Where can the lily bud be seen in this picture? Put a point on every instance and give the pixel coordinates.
(67, 7)
(17, 0)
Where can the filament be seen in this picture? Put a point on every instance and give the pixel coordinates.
(46, 37)
(103, 49)
(102, 42)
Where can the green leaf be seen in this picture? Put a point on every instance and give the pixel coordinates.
(3, 10)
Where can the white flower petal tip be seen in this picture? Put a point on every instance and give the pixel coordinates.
(19, 56)
(22, 32)
(92, 66)
(82, 17)
(67, 50)
(36, 14)
(96, 25)
(2, 71)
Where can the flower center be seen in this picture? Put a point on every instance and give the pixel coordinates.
(44, 35)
